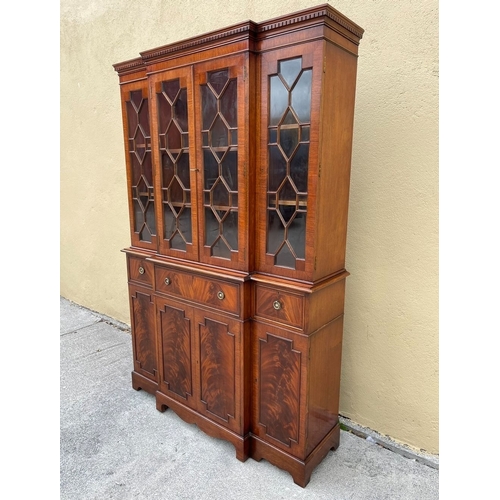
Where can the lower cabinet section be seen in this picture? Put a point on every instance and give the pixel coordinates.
(261, 371)
(295, 396)
(201, 361)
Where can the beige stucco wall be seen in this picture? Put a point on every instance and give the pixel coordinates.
(390, 354)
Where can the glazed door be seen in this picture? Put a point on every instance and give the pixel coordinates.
(174, 156)
(222, 107)
(289, 173)
(140, 177)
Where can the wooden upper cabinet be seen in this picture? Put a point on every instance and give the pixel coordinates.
(138, 154)
(305, 145)
(245, 161)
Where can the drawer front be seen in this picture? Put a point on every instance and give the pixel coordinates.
(279, 305)
(204, 290)
(140, 270)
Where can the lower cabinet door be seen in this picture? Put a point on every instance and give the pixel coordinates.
(143, 332)
(174, 326)
(220, 368)
(201, 361)
(279, 366)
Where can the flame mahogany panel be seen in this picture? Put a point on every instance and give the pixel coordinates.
(145, 374)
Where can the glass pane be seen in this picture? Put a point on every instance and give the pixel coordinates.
(299, 167)
(144, 118)
(175, 191)
(304, 133)
(285, 258)
(168, 169)
(234, 137)
(131, 119)
(287, 192)
(275, 232)
(136, 98)
(184, 224)
(210, 168)
(181, 114)
(164, 114)
(208, 106)
(211, 227)
(145, 235)
(230, 229)
(177, 242)
(183, 169)
(297, 235)
(289, 138)
(150, 218)
(173, 137)
(147, 169)
(219, 134)
(220, 195)
(301, 96)
(290, 118)
(171, 88)
(217, 79)
(290, 69)
(169, 221)
(138, 216)
(273, 135)
(220, 249)
(234, 200)
(278, 100)
(277, 168)
(228, 104)
(230, 170)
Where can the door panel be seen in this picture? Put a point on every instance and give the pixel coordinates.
(287, 184)
(143, 332)
(174, 322)
(279, 396)
(221, 110)
(220, 368)
(174, 155)
(140, 175)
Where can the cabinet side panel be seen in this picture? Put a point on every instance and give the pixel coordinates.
(338, 94)
(324, 382)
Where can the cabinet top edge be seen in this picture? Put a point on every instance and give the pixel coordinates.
(322, 14)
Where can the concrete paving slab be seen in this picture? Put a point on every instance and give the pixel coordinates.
(116, 445)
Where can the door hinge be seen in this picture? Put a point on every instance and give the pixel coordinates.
(315, 262)
(319, 170)
(244, 73)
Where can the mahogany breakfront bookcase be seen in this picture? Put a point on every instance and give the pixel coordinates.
(238, 152)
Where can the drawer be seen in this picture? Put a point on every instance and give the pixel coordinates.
(279, 305)
(220, 294)
(140, 270)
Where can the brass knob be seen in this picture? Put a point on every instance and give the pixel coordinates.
(220, 295)
(167, 281)
(141, 270)
(277, 305)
